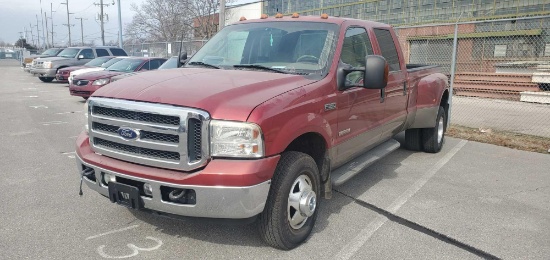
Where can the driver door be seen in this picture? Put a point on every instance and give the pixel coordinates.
(360, 110)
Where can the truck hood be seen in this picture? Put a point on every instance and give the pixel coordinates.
(94, 75)
(225, 94)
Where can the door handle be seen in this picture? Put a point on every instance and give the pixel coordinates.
(404, 88)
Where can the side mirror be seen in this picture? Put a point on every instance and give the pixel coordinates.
(376, 72)
(80, 57)
(183, 58)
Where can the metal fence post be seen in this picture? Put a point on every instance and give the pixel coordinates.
(453, 68)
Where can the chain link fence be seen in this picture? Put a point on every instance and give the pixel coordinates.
(163, 49)
(502, 70)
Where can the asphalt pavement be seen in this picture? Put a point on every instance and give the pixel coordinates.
(469, 201)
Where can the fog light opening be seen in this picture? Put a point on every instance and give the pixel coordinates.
(108, 178)
(148, 189)
(179, 196)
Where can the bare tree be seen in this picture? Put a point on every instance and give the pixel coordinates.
(159, 20)
(205, 17)
(169, 20)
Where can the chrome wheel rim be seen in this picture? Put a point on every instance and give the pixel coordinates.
(440, 130)
(302, 202)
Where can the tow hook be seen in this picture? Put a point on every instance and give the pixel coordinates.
(86, 172)
(177, 195)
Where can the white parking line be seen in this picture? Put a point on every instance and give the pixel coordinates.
(350, 249)
(112, 232)
(70, 154)
(69, 112)
(39, 106)
(31, 96)
(57, 99)
(54, 123)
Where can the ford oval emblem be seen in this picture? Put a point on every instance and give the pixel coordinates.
(128, 133)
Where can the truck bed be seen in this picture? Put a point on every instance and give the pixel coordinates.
(421, 70)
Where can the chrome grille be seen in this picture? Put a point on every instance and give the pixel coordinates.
(174, 156)
(81, 82)
(144, 135)
(166, 136)
(194, 140)
(138, 116)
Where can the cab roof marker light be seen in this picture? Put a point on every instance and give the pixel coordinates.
(295, 15)
(264, 16)
(242, 19)
(279, 15)
(324, 16)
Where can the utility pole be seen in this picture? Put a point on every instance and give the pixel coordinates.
(221, 15)
(81, 28)
(21, 39)
(32, 36)
(119, 26)
(102, 20)
(38, 31)
(47, 38)
(43, 31)
(51, 17)
(68, 22)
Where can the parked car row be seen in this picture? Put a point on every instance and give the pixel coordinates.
(87, 69)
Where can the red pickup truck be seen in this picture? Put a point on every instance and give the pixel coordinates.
(261, 122)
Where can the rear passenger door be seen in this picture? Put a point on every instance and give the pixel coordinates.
(101, 52)
(395, 91)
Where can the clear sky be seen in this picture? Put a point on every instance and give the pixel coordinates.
(16, 15)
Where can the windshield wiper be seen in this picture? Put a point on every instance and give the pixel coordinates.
(200, 63)
(261, 67)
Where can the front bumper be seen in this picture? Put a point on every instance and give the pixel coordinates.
(83, 91)
(47, 73)
(224, 188)
(62, 77)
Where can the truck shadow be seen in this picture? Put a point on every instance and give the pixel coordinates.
(245, 233)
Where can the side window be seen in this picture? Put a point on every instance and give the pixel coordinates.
(387, 47)
(87, 53)
(118, 52)
(101, 52)
(155, 64)
(146, 66)
(356, 46)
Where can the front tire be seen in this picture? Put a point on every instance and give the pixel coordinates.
(292, 205)
(433, 138)
(45, 79)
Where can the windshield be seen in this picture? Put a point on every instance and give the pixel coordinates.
(68, 53)
(97, 62)
(111, 62)
(50, 52)
(299, 47)
(125, 65)
(171, 63)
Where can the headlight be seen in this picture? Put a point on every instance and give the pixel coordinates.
(101, 82)
(86, 112)
(47, 65)
(235, 139)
